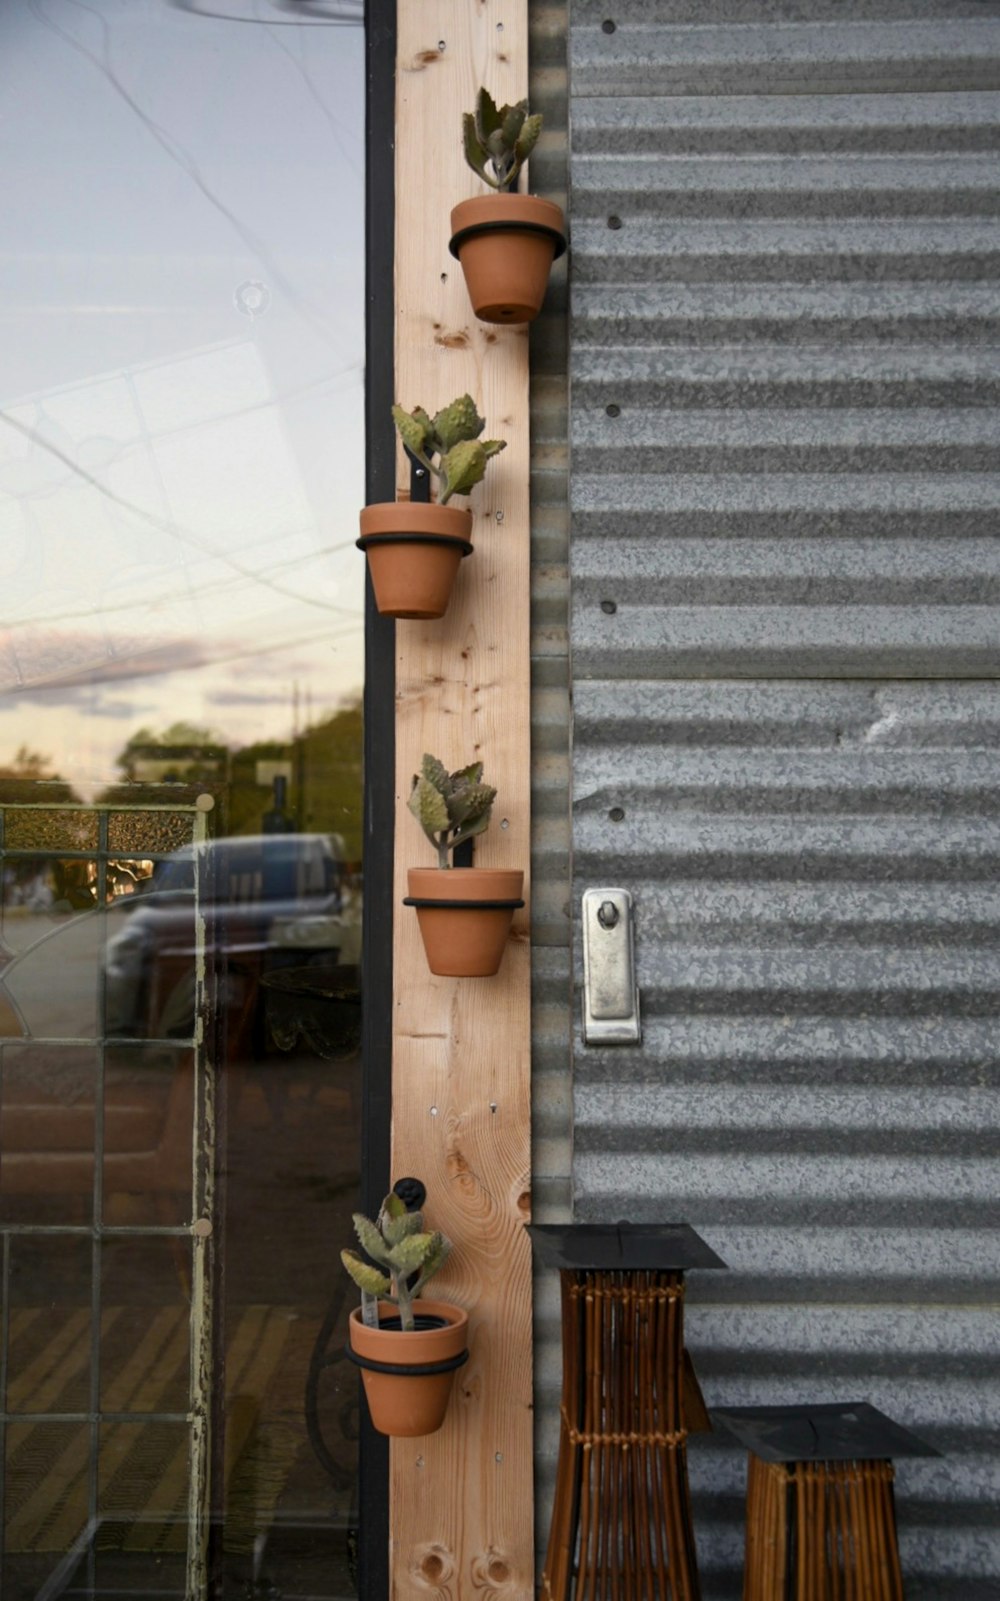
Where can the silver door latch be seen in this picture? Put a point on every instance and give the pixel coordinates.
(610, 991)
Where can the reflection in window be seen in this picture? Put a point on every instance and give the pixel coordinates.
(181, 458)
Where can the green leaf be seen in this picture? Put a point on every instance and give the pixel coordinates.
(436, 1257)
(469, 830)
(469, 804)
(492, 447)
(367, 1278)
(392, 1206)
(461, 469)
(429, 808)
(371, 1238)
(487, 118)
(513, 122)
(527, 139)
(410, 1254)
(436, 773)
(475, 151)
(412, 431)
(395, 1229)
(467, 775)
(457, 422)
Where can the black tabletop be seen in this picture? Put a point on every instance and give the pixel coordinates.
(853, 1431)
(622, 1247)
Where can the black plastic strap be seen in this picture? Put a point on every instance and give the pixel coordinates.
(413, 539)
(408, 1369)
(463, 906)
(457, 240)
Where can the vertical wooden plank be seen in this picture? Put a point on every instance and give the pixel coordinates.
(461, 1514)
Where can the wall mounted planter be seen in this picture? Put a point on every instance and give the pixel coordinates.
(465, 915)
(413, 552)
(507, 244)
(408, 1375)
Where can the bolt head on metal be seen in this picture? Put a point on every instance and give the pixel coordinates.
(608, 914)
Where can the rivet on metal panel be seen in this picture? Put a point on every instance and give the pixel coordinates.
(609, 607)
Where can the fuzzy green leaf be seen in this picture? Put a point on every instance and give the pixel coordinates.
(367, 1278)
(412, 431)
(513, 122)
(371, 1239)
(469, 830)
(395, 1229)
(492, 447)
(467, 775)
(476, 153)
(436, 773)
(467, 805)
(457, 422)
(410, 1254)
(436, 1257)
(487, 118)
(392, 1206)
(462, 468)
(527, 139)
(429, 808)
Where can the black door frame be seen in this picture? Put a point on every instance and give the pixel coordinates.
(379, 730)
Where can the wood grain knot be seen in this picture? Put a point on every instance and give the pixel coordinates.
(524, 1202)
(492, 1573)
(425, 58)
(433, 1565)
(453, 341)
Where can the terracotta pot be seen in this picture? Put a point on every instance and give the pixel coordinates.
(507, 244)
(404, 1404)
(413, 552)
(468, 939)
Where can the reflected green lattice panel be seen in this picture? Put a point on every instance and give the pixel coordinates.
(149, 832)
(42, 828)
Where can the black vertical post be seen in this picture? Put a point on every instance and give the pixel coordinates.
(379, 730)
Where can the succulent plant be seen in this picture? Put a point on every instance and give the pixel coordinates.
(409, 1255)
(500, 138)
(449, 444)
(450, 807)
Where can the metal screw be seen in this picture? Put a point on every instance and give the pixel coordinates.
(434, 1111)
(607, 914)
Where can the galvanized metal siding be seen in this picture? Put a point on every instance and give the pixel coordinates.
(785, 631)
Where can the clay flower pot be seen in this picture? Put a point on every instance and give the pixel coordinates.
(507, 244)
(410, 1403)
(464, 915)
(413, 551)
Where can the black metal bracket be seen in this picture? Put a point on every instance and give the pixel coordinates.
(420, 479)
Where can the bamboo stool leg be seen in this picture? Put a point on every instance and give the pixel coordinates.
(621, 1520)
(836, 1519)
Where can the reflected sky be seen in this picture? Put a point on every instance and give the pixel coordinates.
(181, 395)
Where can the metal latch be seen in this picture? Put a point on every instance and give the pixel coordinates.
(610, 992)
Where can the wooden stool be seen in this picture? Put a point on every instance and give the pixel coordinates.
(621, 1521)
(821, 1518)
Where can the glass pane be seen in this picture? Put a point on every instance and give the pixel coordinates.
(46, 1501)
(48, 1307)
(181, 463)
(48, 1134)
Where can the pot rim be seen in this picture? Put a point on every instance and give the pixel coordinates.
(508, 224)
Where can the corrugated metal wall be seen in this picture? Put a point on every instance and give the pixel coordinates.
(785, 625)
